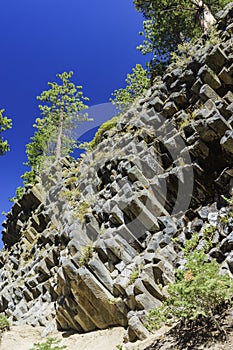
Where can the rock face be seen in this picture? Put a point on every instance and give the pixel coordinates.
(92, 245)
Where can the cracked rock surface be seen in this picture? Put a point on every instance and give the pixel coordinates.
(96, 241)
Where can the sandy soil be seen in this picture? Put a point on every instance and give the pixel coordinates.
(23, 338)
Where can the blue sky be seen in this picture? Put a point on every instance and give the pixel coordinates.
(96, 39)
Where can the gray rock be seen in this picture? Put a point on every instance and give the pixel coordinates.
(169, 109)
(131, 180)
(197, 86)
(227, 243)
(216, 59)
(229, 261)
(226, 76)
(157, 104)
(209, 77)
(227, 141)
(206, 92)
(136, 329)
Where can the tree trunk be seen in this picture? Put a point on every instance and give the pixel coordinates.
(205, 16)
(59, 136)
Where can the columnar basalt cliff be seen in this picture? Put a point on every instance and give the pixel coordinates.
(92, 244)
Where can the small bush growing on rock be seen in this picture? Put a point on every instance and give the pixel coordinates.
(50, 344)
(108, 125)
(208, 234)
(114, 300)
(119, 347)
(190, 115)
(185, 51)
(191, 244)
(4, 323)
(87, 254)
(133, 276)
(70, 195)
(224, 219)
(197, 294)
(81, 210)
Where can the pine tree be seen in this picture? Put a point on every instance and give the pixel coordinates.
(5, 124)
(136, 83)
(170, 23)
(60, 113)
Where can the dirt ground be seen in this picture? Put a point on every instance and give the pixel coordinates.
(23, 338)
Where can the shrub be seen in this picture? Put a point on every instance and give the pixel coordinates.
(4, 323)
(208, 234)
(185, 51)
(87, 254)
(50, 344)
(133, 276)
(108, 125)
(199, 290)
(81, 210)
(18, 195)
(137, 83)
(70, 195)
(191, 244)
(113, 300)
(229, 215)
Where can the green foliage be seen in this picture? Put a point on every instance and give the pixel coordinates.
(224, 219)
(228, 200)
(81, 209)
(19, 193)
(108, 125)
(49, 344)
(170, 23)
(86, 255)
(208, 235)
(4, 323)
(133, 276)
(29, 177)
(60, 113)
(71, 195)
(71, 182)
(114, 300)
(191, 244)
(185, 51)
(156, 317)
(119, 347)
(199, 290)
(137, 83)
(5, 124)
(189, 114)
